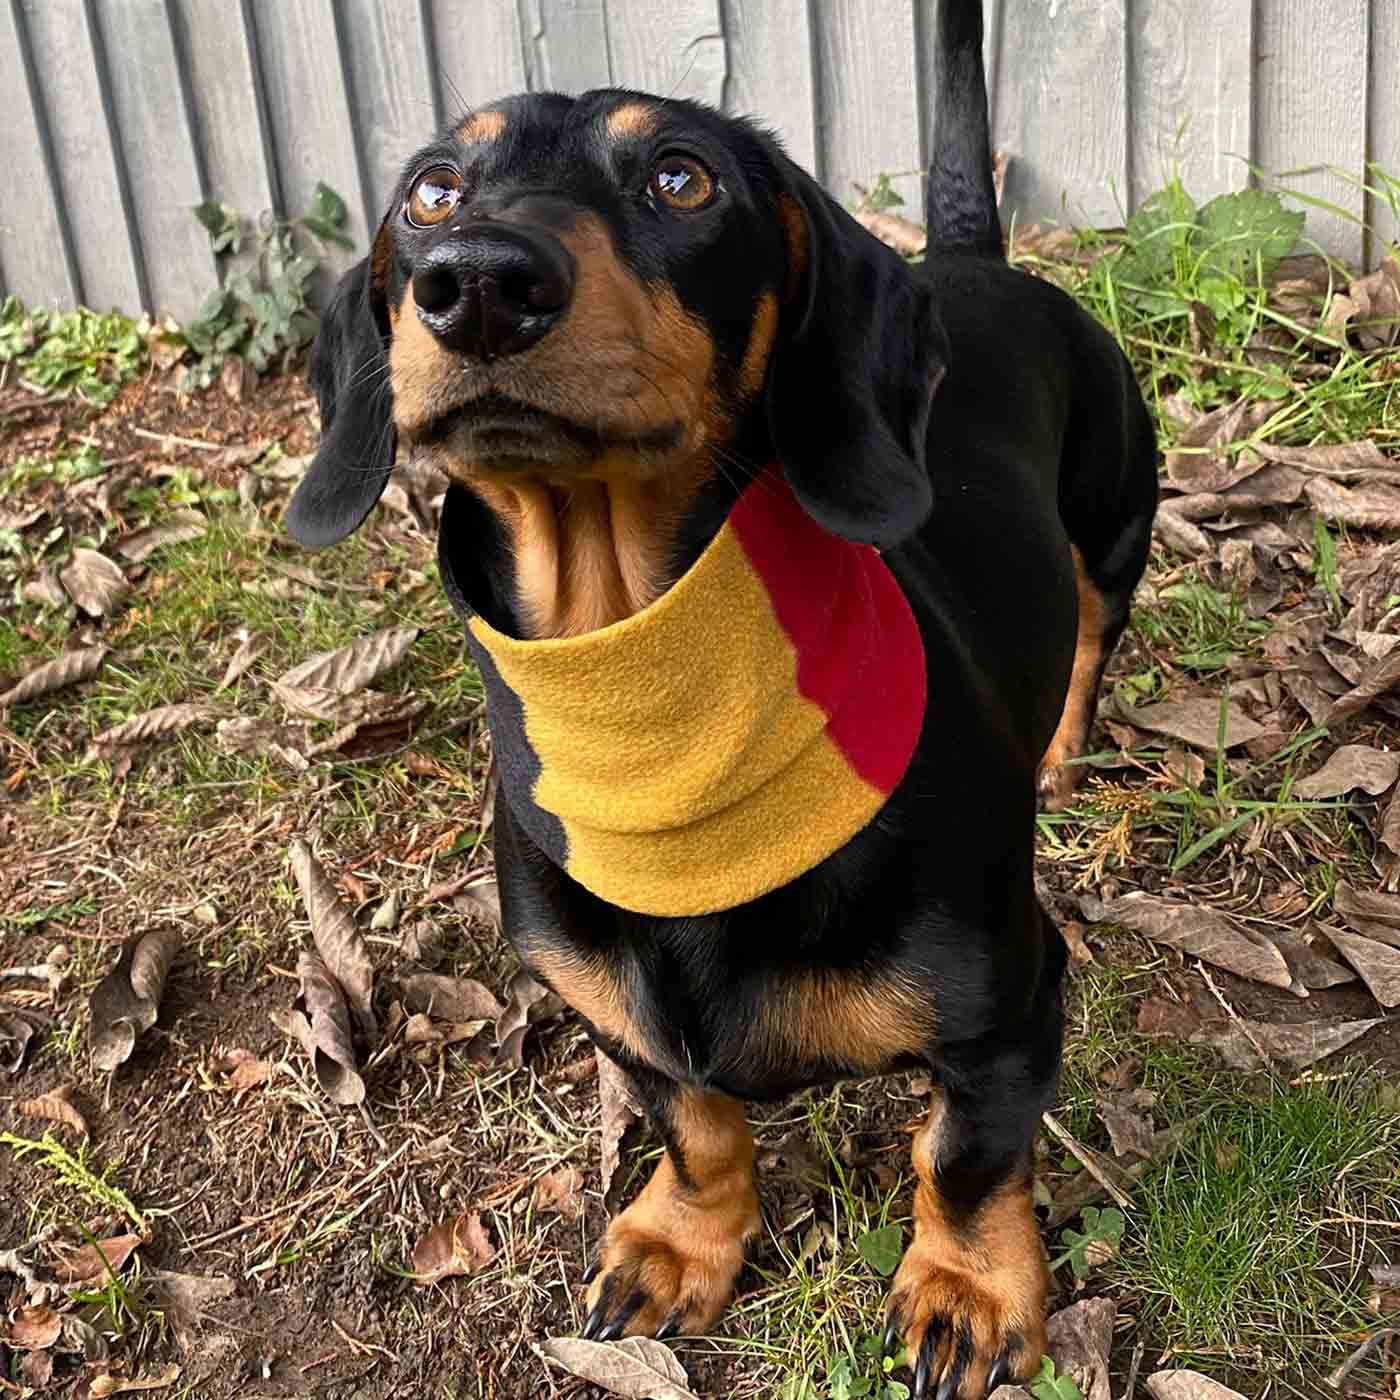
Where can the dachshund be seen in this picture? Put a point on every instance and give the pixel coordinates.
(791, 569)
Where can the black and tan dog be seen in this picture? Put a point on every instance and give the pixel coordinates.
(791, 571)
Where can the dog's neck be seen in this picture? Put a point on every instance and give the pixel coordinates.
(722, 739)
(589, 553)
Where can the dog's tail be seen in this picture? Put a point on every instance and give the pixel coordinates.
(960, 199)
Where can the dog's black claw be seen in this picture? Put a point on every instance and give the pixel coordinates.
(670, 1328)
(594, 1320)
(891, 1337)
(949, 1385)
(999, 1373)
(625, 1314)
(591, 1272)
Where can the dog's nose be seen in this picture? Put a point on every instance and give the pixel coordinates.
(493, 290)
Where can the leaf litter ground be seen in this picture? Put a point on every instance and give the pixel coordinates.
(274, 764)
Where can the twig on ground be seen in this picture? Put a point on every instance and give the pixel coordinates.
(14, 1261)
(1244, 1030)
(196, 443)
(1133, 1370)
(1338, 1377)
(1092, 1162)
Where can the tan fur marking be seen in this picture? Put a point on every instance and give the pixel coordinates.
(845, 1020)
(631, 119)
(1058, 781)
(682, 1240)
(482, 126)
(590, 541)
(794, 223)
(986, 1274)
(593, 992)
(754, 369)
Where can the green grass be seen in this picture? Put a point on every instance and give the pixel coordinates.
(84, 353)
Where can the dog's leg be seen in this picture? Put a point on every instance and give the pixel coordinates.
(669, 1262)
(1102, 618)
(969, 1297)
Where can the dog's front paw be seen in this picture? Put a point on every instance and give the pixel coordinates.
(669, 1262)
(970, 1303)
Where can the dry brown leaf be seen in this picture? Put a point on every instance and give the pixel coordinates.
(188, 1296)
(94, 582)
(36, 1369)
(91, 1262)
(243, 1070)
(104, 1385)
(1188, 1385)
(1298, 1045)
(527, 1003)
(1200, 446)
(1377, 964)
(903, 235)
(341, 945)
(1350, 767)
(1079, 1338)
(250, 647)
(66, 669)
(45, 590)
(1308, 964)
(15, 1035)
(37, 1326)
(450, 998)
(452, 1248)
(618, 1108)
(79, 1335)
(482, 898)
(321, 1023)
(1370, 507)
(1203, 933)
(637, 1368)
(355, 666)
(561, 1190)
(1072, 931)
(154, 724)
(1378, 679)
(57, 1107)
(175, 528)
(127, 1000)
(1130, 1129)
(1339, 459)
(1178, 533)
(1372, 908)
(1195, 722)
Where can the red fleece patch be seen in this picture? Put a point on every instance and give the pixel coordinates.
(860, 657)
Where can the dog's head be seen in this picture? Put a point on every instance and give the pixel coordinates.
(623, 288)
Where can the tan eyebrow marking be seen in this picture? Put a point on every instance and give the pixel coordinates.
(631, 119)
(482, 126)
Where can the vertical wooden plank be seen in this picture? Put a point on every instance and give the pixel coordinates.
(770, 71)
(1309, 106)
(1190, 96)
(156, 141)
(85, 159)
(480, 53)
(868, 98)
(34, 248)
(391, 86)
(308, 108)
(1383, 122)
(568, 45)
(232, 140)
(1061, 110)
(674, 48)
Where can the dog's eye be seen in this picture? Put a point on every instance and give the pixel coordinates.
(681, 182)
(434, 197)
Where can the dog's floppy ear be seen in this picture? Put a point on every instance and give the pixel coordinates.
(350, 374)
(860, 351)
